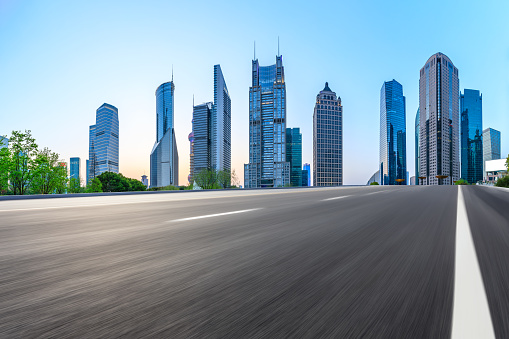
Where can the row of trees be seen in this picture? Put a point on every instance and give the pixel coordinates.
(210, 179)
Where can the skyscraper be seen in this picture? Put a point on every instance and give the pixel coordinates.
(267, 165)
(164, 155)
(190, 137)
(221, 123)
(87, 170)
(417, 152)
(103, 142)
(294, 155)
(491, 144)
(471, 136)
(202, 131)
(307, 168)
(328, 139)
(439, 121)
(74, 170)
(392, 133)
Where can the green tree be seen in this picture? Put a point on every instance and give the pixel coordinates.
(75, 186)
(503, 182)
(224, 178)
(48, 175)
(113, 182)
(461, 182)
(136, 185)
(507, 162)
(94, 186)
(5, 169)
(206, 178)
(22, 150)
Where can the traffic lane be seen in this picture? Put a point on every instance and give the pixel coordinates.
(488, 215)
(287, 271)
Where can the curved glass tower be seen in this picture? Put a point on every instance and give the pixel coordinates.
(392, 133)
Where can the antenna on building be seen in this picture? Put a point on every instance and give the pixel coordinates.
(171, 72)
(193, 100)
(254, 50)
(278, 46)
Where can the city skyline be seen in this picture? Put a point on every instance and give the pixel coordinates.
(133, 72)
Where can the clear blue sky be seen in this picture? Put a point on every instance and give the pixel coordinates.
(60, 60)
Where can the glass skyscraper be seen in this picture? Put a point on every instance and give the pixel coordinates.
(392, 133)
(190, 137)
(103, 142)
(307, 169)
(267, 165)
(491, 144)
(74, 169)
(221, 123)
(202, 132)
(294, 155)
(439, 100)
(328, 139)
(164, 155)
(471, 136)
(417, 131)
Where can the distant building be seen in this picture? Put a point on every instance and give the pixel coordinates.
(413, 181)
(494, 170)
(75, 169)
(491, 144)
(4, 142)
(305, 174)
(374, 178)
(294, 155)
(392, 133)
(87, 172)
(307, 167)
(202, 132)
(267, 165)
(164, 156)
(144, 180)
(417, 150)
(221, 123)
(328, 139)
(471, 136)
(439, 160)
(190, 137)
(103, 142)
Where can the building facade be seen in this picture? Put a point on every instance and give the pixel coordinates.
(392, 133)
(74, 169)
(221, 123)
(417, 151)
(103, 142)
(327, 139)
(439, 160)
(307, 168)
(471, 136)
(202, 131)
(164, 155)
(294, 155)
(190, 137)
(491, 144)
(267, 165)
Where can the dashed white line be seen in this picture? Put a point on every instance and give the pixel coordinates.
(471, 314)
(215, 215)
(344, 196)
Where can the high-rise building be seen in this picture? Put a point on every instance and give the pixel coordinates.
(190, 137)
(144, 180)
(392, 133)
(491, 144)
(417, 152)
(328, 139)
(221, 123)
(103, 142)
(471, 136)
(164, 155)
(74, 170)
(202, 131)
(294, 155)
(439, 121)
(305, 174)
(88, 172)
(307, 167)
(267, 165)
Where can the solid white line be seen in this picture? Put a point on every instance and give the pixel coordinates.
(375, 192)
(345, 196)
(471, 313)
(215, 215)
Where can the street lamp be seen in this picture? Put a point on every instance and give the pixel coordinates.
(400, 181)
(422, 180)
(441, 178)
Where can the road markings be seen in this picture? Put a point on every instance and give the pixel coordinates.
(216, 215)
(471, 314)
(345, 196)
(375, 192)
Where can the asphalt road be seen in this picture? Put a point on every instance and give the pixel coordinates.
(350, 262)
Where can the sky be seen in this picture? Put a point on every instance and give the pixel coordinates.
(61, 60)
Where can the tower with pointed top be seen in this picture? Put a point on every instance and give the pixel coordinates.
(267, 165)
(328, 139)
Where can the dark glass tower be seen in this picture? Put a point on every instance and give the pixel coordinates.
(471, 136)
(202, 132)
(328, 139)
(417, 122)
(267, 165)
(392, 133)
(74, 169)
(294, 155)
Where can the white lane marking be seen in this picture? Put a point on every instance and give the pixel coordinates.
(215, 215)
(345, 196)
(375, 192)
(471, 316)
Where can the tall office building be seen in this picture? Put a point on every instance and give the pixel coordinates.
(190, 137)
(74, 170)
(267, 165)
(328, 139)
(103, 142)
(294, 155)
(221, 123)
(202, 131)
(307, 168)
(392, 133)
(417, 153)
(491, 144)
(439, 121)
(471, 136)
(164, 155)
(87, 170)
